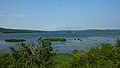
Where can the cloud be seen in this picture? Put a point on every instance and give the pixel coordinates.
(20, 15)
(10, 14)
(15, 15)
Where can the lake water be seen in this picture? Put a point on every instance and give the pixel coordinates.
(89, 40)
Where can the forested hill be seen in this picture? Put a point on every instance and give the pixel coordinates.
(5, 30)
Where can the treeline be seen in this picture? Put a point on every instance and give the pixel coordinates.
(42, 56)
(4, 30)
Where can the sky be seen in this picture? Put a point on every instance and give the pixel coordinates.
(60, 14)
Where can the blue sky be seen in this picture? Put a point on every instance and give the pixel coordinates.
(60, 14)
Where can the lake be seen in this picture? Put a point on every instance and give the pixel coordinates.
(89, 40)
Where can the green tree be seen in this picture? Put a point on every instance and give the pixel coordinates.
(117, 43)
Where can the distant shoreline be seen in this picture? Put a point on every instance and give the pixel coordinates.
(6, 30)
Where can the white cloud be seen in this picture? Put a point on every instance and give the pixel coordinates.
(15, 15)
(20, 15)
(12, 14)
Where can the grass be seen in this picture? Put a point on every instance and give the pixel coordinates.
(55, 39)
(14, 40)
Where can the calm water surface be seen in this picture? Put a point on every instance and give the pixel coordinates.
(90, 39)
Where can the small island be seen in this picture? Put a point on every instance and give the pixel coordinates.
(55, 39)
(14, 40)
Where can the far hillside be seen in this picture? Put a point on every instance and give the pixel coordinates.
(5, 30)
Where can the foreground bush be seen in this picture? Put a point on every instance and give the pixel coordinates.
(103, 56)
(29, 56)
(42, 56)
(117, 43)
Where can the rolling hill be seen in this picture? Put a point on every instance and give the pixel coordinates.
(5, 30)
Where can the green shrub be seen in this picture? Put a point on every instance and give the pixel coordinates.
(56, 39)
(103, 56)
(42, 56)
(117, 43)
(14, 40)
(29, 56)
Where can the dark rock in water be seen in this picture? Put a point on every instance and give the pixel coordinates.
(95, 40)
(81, 40)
